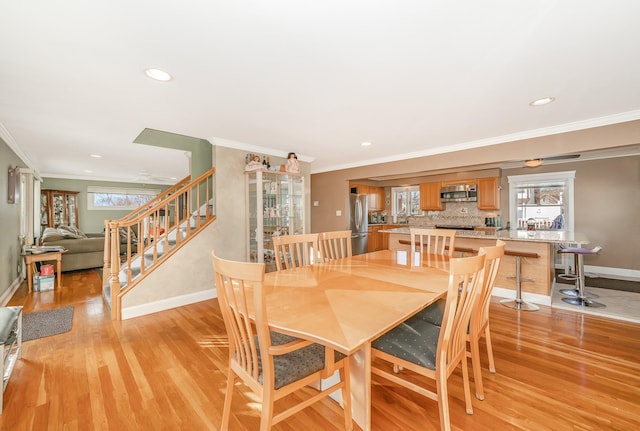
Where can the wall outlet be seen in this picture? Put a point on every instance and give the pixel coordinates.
(338, 213)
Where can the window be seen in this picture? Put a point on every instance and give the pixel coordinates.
(113, 198)
(406, 201)
(543, 199)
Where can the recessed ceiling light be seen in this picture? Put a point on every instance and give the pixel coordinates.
(157, 74)
(366, 144)
(543, 101)
(95, 156)
(87, 171)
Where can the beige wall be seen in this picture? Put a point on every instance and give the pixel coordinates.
(607, 191)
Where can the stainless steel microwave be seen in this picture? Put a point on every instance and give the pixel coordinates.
(459, 193)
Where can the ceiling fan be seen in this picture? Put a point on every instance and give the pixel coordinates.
(146, 176)
(533, 163)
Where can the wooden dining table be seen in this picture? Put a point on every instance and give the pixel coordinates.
(347, 303)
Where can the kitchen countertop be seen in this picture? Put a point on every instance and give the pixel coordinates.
(554, 236)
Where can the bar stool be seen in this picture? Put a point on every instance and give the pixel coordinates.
(575, 292)
(519, 303)
(581, 299)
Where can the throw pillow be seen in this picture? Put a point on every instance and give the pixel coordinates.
(51, 234)
(71, 232)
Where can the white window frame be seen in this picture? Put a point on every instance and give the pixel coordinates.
(394, 207)
(92, 190)
(566, 177)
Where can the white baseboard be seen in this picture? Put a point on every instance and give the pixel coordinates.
(618, 273)
(8, 294)
(534, 298)
(167, 304)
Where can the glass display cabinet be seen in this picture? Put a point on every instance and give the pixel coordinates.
(275, 204)
(58, 207)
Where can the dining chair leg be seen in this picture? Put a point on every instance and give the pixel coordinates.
(226, 410)
(487, 337)
(466, 385)
(266, 416)
(346, 396)
(477, 370)
(443, 399)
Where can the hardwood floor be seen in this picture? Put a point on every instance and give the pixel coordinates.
(556, 370)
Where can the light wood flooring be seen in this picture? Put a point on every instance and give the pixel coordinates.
(556, 370)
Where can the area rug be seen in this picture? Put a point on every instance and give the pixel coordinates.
(46, 323)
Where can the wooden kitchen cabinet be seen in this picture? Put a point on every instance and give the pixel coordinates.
(430, 197)
(457, 182)
(376, 198)
(489, 193)
(58, 207)
(374, 238)
(375, 195)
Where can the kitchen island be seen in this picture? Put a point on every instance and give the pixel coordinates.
(536, 248)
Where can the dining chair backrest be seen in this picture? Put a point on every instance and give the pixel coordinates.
(292, 251)
(239, 284)
(334, 245)
(434, 241)
(479, 323)
(493, 257)
(271, 364)
(466, 275)
(432, 350)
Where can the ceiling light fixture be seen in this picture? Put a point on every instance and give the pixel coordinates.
(95, 156)
(542, 102)
(157, 74)
(533, 163)
(366, 144)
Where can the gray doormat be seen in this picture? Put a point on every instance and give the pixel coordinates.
(46, 323)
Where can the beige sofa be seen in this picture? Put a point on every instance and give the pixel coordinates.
(84, 251)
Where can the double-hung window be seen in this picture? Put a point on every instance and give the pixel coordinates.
(406, 201)
(115, 198)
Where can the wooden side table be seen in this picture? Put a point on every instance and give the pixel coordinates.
(31, 258)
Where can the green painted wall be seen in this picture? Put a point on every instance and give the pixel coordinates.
(92, 221)
(10, 221)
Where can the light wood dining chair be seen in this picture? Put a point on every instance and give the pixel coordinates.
(292, 251)
(479, 324)
(430, 350)
(334, 245)
(271, 364)
(435, 241)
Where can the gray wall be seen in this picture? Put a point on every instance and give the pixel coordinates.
(10, 221)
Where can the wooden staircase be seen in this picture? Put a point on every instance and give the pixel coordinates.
(139, 243)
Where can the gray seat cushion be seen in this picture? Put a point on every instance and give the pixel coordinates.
(433, 313)
(297, 364)
(414, 340)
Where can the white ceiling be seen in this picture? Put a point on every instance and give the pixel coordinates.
(313, 77)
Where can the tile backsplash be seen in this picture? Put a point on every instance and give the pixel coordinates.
(455, 213)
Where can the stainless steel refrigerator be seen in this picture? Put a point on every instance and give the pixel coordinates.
(358, 223)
